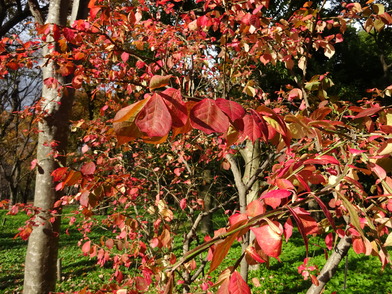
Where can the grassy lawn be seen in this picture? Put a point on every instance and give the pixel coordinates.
(78, 271)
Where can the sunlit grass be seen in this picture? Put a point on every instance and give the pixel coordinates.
(78, 271)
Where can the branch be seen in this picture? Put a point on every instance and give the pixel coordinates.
(331, 265)
(13, 21)
(262, 167)
(237, 174)
(35, 11)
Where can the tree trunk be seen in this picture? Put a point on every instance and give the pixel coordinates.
(206, 222)
(252, 160)
(42, 250)
(13, 195)
(331, 265)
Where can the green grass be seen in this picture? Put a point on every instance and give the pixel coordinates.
(78, 271)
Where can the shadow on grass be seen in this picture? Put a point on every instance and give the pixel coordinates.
(79, 267)
(11, 281)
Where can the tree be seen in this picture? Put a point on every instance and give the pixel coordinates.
(55, 105)
(191, 80)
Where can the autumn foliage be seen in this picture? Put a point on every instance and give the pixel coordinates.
(179, 94)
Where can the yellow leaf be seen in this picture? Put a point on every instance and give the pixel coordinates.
(386, 148)
(248, 90)
(329, 50)
(378, 24)
(388, 241)
(378, 8)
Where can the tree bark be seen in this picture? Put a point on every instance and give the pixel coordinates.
(331, 265)
(206, 222)
(252, 160)
(42, 250)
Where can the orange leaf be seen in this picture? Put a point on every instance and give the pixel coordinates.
(223, 248)
(130, 112)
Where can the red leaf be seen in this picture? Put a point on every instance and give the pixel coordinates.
(310, 224)
(273, 202)
(273, 198)
(255, 127)
(284, 184)
(86, 247)
(280, 127)
(329, 241)
(238, 285)
(126, 131)
(187, 127)
(224, 288)
(326, 211)
(125, 56)
(173, 100)
(279, 194)
(183, 203)
(368, 112)
(59, 173)
(378, 170)
(232, 109)
(320, 113)
(314, 280)
(306, 224)
(207, 117)
(84, 198)
(288, 229)
(255, 208)
(109, 243)
(323, 159)
(302, 182)
(252, 253)
(236, 218)
(88, 168)
(359, 246)
(142, 284)
(269, 240)
(154, 119)
(203, 21)
(72, 178)
(159, 81)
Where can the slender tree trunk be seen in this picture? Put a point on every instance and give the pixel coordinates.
(206, 222)
(42, 250)
(13, 195)
(13, 183)
(252, 160)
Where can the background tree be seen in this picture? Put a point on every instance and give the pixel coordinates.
(18, 137)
